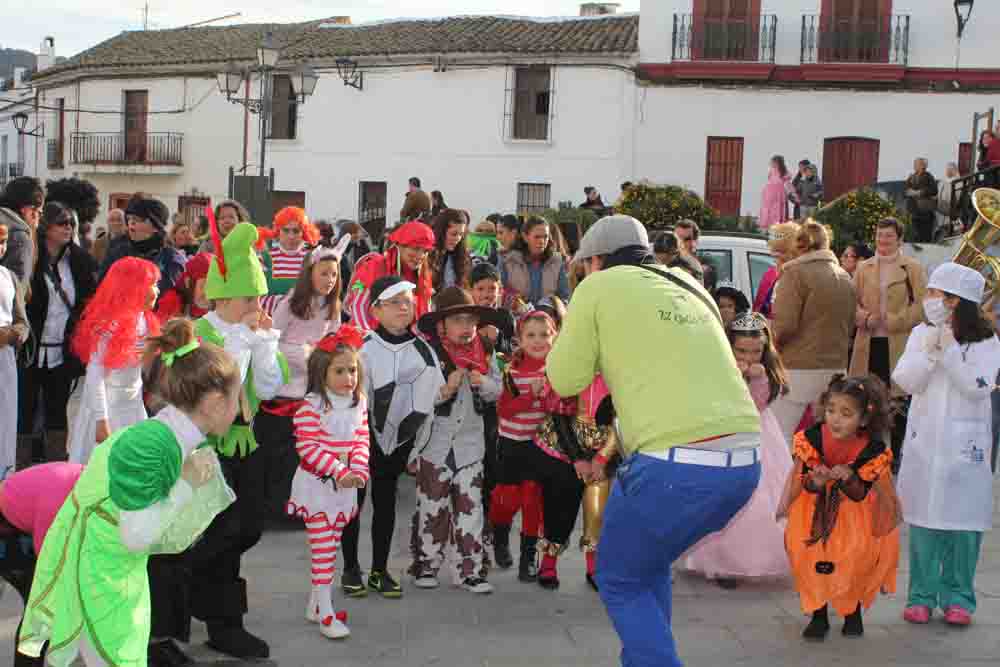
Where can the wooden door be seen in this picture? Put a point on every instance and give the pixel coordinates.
(855, 30)
(724, 174)
(190, 209)
(136, 118)
(726, 29)
(119, 200)
(849, 163)
(965, 159)
(282, 198)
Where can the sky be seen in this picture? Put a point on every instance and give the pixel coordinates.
(78, 24)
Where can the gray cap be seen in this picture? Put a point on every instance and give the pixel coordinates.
(610, 234)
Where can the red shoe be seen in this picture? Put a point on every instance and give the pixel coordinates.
(955, 615)
(918, 613)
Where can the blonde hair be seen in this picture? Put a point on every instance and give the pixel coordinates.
(781, 237)
(811, 237)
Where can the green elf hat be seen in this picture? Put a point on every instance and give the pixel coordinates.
(235, 270)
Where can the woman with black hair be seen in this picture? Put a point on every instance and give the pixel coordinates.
(508, 231)
(853, 255)
(533, 269)
(950, 366)
(437, 203)
(64, 278)
(731, 301)
(147, 220)
(20, 210)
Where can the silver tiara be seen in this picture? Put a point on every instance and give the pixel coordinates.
(775, 235)
(725, 283)
(749, 322)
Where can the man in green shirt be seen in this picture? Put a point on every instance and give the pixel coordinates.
(689, 427)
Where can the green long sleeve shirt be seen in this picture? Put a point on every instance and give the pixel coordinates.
(663, 354)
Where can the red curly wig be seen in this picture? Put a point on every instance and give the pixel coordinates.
(113, 313)
(297, 216)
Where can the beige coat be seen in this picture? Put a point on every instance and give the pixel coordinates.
(812, 312)
(904, 310)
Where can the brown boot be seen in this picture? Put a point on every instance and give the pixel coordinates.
(55, 446)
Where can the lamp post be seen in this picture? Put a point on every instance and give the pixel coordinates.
(231, 79)
(960, 7)
(21, 121)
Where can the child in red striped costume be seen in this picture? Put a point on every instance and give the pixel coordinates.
(283, 260)
(521, 411)
(331, 438)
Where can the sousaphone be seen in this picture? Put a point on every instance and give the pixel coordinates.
(980, 249)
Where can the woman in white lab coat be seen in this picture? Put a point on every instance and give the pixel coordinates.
(946, 482)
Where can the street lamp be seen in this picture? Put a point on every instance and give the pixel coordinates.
(233, 78)
(21, 121)
(960, 6)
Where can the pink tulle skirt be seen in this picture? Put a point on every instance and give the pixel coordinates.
(753, 544)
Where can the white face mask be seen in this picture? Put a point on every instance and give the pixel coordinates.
(937, 313)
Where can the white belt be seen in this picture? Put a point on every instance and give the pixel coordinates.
(736, 457)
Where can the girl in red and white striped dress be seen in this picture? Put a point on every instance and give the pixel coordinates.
(331, 438)
(521, 411)
(283, 260)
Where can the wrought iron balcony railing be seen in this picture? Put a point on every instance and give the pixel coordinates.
(884, 40)
(151, 148)
(746, 40)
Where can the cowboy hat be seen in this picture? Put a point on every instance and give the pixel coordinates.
(456, 301)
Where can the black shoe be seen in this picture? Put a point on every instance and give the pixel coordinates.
(592, 581)
(818, 628)
(237, 642)
(501, 547)
(353, 584)
(382, 582)
(167, 654)
(853, 625)
(527, 568)
(728, 584)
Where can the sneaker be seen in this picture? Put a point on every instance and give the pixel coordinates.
(477, 585)
(333, 628)
(353, 584)
(426, 579)
(955, 615)
(382, 582)
(918, 614)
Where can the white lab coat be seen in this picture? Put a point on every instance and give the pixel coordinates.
(945, 482)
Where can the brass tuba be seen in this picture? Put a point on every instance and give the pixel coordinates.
(975, 250)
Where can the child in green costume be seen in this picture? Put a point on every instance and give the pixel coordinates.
(144, 491)
(218, 596)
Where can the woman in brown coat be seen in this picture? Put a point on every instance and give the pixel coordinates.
(890, 289)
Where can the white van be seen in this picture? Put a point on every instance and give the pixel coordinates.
(741, 259)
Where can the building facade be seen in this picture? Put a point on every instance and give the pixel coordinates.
(505, 114)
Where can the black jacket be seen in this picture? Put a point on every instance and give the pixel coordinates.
(169, 260)
(83, 268)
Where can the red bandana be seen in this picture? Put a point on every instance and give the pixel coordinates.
(471, 356)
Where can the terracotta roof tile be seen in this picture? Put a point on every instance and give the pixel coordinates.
(319, 39)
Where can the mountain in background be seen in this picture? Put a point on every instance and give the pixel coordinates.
(11, 58)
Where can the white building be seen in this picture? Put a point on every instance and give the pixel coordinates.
(507, 113)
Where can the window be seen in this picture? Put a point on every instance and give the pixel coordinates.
(529, 103)
(190, 209)
(721, 262)
(136, 126)
(726, 29)
(371, 207)
(533, 197)
(284, 108)
(759, 264)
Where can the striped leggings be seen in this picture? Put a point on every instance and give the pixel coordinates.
(324, 543)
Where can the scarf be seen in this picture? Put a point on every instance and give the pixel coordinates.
(469, 356)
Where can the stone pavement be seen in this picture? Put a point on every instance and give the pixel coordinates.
(525, 626)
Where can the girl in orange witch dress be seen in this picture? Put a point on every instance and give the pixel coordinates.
(842, 537)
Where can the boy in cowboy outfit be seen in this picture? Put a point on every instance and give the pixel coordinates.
(449, 468)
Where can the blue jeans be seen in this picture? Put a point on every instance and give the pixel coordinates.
(657, 511)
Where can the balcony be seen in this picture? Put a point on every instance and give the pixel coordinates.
(697, 38)
(118, 152)
(54, 153)
(883, 41)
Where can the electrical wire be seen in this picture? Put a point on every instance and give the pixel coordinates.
(30, 103)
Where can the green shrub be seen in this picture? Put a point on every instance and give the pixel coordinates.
(661, 206)
(854, 216)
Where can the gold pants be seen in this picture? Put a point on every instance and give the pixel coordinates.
(595, 497)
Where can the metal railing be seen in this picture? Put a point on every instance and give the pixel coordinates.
(748, 40)
(54, 153)
(152, 148)
(10, 171)
(884, 40)
(962, 188)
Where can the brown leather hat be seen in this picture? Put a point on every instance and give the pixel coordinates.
(456, 301)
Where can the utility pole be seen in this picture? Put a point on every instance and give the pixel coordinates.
(145, 17)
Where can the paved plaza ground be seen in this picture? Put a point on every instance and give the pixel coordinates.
(524, 626)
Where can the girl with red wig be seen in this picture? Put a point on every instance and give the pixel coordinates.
(110, 338)
(283, 259)
(407, 258)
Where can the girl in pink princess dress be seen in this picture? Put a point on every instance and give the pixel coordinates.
(753, 544)
(774, 198)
